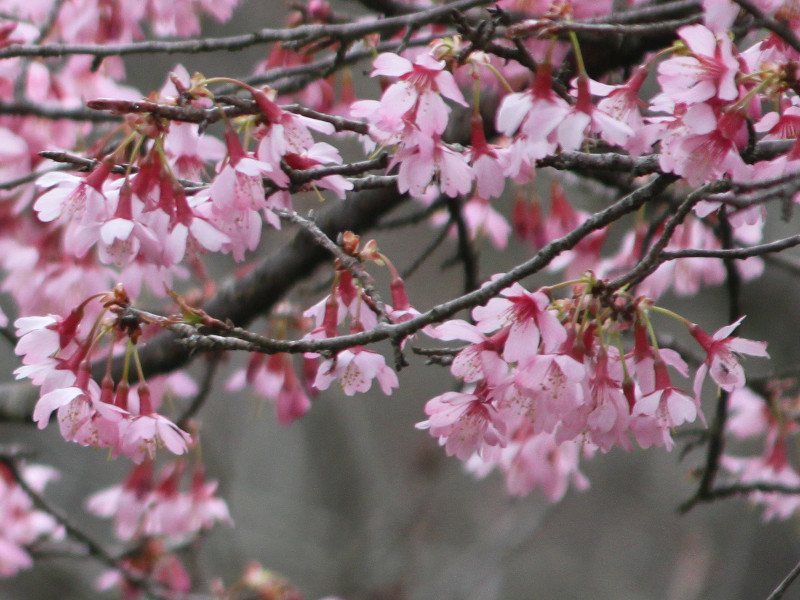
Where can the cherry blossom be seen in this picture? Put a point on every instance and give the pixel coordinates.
(417, 96)
(275, 380)
(425, 160)
(464, 423)
(22, 524)
(722, 352)
(355, 369)
(110, 193)
(708, 72)
(529, 321)
(669, 406)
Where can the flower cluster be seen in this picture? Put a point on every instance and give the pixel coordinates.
(547, 378)
(354, 368)
(22, 524)
(154, 513)
(150, 505)
(211, 165)
(773, 421)
(57, 353)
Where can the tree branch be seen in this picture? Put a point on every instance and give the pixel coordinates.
(304, 33)
(397, 331)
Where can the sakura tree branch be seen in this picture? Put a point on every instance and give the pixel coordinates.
(89, 164)
(607, 161)
(738, 489)
(11, 460)
(426, 252)
(15, 183)
(245, 298)
(733, 253)
(386, 7)
(30, 109)
(651, 13)
(716, 433)
(300, 177)
(305, 33)
(350, 263)
(50, 21)
(374, 182)
(782, 30)
(399, 331)
(544, 27)
(778, 592)
(650, 262)
(206, 116)
(414, 218)
(466, 251)
(340, 123)
(743, 489)
(206, 385)
(299, 76)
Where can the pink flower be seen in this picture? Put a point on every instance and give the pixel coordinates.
(710, 72)
(425, 160)
(464, 423)
(643, 360)
(551, 387)
(277, 382)
(39, 338)
(188, 151)
(485, 163)
(21, 525)
(481, 359)
(722, 361)
(719, 15)
(145, 432)
(563, 218)
(355, 368)
(238, 186)
(707, 148)
(534, 114)
(539, 461)
(127, 503)
(584, 117)
(767, 470)
(605, 414)
(667, 405)
(80, 198)
(529, 321)
(482, 219)
(417, 96)
(623, 104)
(321, 153)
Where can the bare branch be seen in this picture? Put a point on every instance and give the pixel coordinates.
(778, 592)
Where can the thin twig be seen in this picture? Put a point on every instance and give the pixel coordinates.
(96, 550)
(731, 253)
(305, 33)
(650, 262)
(427, 251)
(782, 30)
(778, 592)
(396, 331)
(350, 263)
(543, 27)
(466, 252)
(206, 385)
